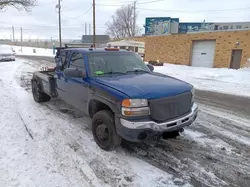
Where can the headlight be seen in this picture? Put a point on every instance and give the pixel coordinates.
(135, 107)
(144, 111)
(193, 92)
(135, 103)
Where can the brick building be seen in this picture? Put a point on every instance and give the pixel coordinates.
(228, 49)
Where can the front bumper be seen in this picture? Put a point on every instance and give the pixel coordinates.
(130, 130)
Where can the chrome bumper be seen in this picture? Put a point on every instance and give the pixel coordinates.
(172, 125)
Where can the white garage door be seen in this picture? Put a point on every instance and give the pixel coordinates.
(203, 53)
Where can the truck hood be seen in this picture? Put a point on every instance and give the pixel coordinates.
(146, 85)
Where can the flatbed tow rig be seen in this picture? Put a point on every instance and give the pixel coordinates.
(122, 95)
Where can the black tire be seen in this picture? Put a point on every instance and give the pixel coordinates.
(170, 135)
(37, 94)
(104, 131)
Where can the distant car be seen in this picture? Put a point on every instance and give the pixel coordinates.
(7, 54)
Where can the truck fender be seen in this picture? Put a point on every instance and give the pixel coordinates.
(97, 100)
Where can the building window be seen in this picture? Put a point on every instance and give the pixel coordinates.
(238, 26)
(225, 27)
(232, 27)
(220, 28)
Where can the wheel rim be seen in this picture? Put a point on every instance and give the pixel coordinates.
(102, 132)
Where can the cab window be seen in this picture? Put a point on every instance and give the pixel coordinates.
(77, 61)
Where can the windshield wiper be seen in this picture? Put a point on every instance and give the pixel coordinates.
(114, 72)
(139, 70)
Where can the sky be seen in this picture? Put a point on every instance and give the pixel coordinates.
(42, 21)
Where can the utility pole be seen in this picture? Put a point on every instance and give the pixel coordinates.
(134, 18)
(89, 29)
(60, 27)
(21, 39)
(86, 28)
(134, 26)
(13, 33)
(94, 39)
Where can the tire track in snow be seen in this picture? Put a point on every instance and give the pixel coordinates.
(26, 128)
(111, 177)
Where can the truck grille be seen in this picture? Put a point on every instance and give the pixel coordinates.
(168, 108)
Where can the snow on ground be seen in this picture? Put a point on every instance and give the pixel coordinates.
(29, 51)
(43, 147)
(234, 82)
(50, 145)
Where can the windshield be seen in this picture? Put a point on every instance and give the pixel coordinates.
(115, 63)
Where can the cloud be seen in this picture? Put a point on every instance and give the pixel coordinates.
(42, 22)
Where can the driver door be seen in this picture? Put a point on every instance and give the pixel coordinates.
(63, 63)
(77, 87)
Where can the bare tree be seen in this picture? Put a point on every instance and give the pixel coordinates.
(122, 23)
(18, 4)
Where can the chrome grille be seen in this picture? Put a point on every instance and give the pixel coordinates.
(168, 108)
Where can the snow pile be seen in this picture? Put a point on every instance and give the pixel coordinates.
(235, 82)
(29, 51)
(245, 69)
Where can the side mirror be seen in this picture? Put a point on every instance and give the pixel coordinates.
(151, 67)
(74, 72)
(58, 63)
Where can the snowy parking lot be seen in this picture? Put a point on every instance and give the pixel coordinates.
(51, 144)
(224, 80)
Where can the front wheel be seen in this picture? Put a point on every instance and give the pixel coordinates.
(104, 132)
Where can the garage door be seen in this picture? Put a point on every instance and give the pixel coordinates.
(203, 53)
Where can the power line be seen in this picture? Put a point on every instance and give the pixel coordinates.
(51, 27)
(147, 2)
(80, 14)
(194, 11)
(137, 1)
(169, 10)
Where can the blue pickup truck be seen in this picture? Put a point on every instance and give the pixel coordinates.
(123, 96)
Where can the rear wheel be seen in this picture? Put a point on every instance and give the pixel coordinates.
(37, 94)
(104, 132)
